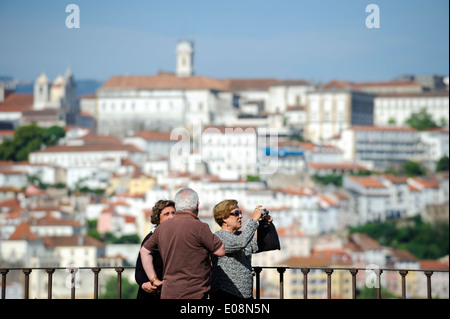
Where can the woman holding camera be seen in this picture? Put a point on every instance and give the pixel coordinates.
(232, 275)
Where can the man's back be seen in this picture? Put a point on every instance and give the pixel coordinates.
(185, 244)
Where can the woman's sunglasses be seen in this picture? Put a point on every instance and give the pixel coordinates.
(236, 213)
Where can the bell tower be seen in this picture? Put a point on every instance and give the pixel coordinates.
(41, 92)
(185, 58)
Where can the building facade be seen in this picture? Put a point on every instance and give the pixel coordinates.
(329, 112)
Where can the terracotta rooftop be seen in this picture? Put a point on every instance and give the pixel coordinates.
(383, 129)
(23, 232)
(368, 181)
(337, 166)
(75, 240)
(17, 102)
(338, 84)
(361, 242)
(154, 135)
(251, 84)
(424, 183)
(318, 260)
(403, 255)
(433, 264)
(164, 81)
(49, 220)
(90, 148)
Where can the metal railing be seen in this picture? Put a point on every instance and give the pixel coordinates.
(281, 271)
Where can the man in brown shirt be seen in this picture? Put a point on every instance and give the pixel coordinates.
(185, 244)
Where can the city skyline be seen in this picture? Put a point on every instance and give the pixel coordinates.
(315, 41)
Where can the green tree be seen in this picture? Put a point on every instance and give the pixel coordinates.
(413, 169)
(442, 164)
(421, 120)
(423, 240)
(128, 291)
(371, 293)
(335, 179)
(27, 139)
(53, 134)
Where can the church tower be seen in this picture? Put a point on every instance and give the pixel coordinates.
(41, 92)
(185, 58)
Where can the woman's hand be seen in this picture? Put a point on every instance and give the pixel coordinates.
(152, 288)
(257, 213)
(147, 287)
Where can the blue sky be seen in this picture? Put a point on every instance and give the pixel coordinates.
(316, 40)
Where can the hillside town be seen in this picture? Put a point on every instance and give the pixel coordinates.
(86, 201)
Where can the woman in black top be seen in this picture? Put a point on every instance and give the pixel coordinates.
(162, 211)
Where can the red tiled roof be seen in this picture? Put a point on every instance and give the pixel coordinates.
(75, 240)
(11, 203)
(403, 255)
(337, 166)
(361, 242)
(32, 190)
(49, 220)
(90, 148)
(100, 139)
(23, 232)
(396, 179)
(251, 84)
(17, 102)
(153, 135)
(327, 200)
(433, 264)
(368, 181)
(164, 81)
(383, 128)
(338, 84)
(426, 183)
(318, 260)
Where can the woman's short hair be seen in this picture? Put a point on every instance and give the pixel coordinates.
(223, 209)
(157, 209)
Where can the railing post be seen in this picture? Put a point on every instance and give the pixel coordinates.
(428, 274)
(119, 271)
(72, 288)
(305, 272)
(281, 271)
(258, 282)
(403, 273)
(96, 271)
(354, 272)
(378, 273)
(50, 272)
(329, 271)
(27, 272)
(4, 272)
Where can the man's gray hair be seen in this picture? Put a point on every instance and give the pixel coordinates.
(186, 199)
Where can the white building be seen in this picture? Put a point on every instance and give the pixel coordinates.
(369, 198)
(330, 111)
(230, 152)
(385, 146)
(156, 144)
(84, 155)
(127, 104)
(395, 108)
